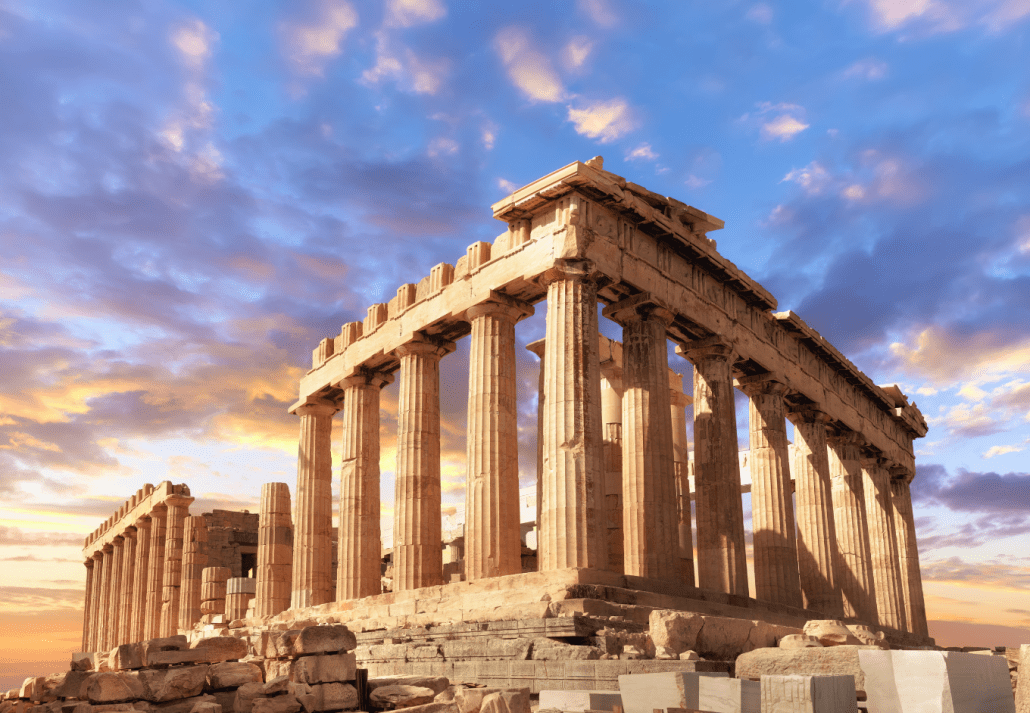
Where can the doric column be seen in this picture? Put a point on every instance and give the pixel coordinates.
(883, 543)
(649, 519)
(772, 506)
(178, 508)
(611, 421)
(537, 348)
(140, 577)
(361, 544)
(721, 557)
(908, 553)
(572, 510)
(114, 601)
(194, 560)
(312, 541)
(104, 618)
(156, 573)
(126, 590)
(417, 549)
(817, 550)
(852, 528)
(238, 593)
(213, 587)
(681, 463)
(492, 543)
(87, 609)
(95, 608)
(275, 551)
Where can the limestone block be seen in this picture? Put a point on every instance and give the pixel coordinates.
(183, 705)
(675, 630)
(512, 649)
(440, 707)
(831, 632)
(323, 639)
(493, 703)
(808, 694)
(1023, 685)
(279, 684)
(729, 695)
(869, 636)
(206, 707)
(516, 700)
(689, 656)
(664, 653)
(220, 648)
(112, 687)
(631, 652)
(328, 697)
(799, 641)
(400, 696)
(72, 685)
(125, 657)
(438, 684)
(935, 681)
(83, 661)
(173, 684)
(233, 674)
(32, 688)
(170, 643)
(246, 695)
(766, 634)
(643, 692)
(840, 660)
(550, 650)
(277, 704)
(324, 668)
(580, 700)
(724, 638)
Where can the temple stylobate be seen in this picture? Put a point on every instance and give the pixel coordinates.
(576, 238)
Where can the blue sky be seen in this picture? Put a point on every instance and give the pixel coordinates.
(192, 194)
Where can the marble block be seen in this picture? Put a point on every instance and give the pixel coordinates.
(729, 695)
(644, 692)
(808, 694)
(580, 700)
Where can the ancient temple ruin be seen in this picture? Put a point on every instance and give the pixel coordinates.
(612, 531)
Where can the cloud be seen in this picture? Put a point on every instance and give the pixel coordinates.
(488, 134)
(987, 492)
(38, 598)
(576, 52)
(643, 152)
(813, 178)
(760, 13)
(1001, 450)
(309, 46)
(412, 73)
(405, 13)
(527, 67)
(982, 356)
(604, 120)
(695, 182)
(870, 69)
(15, 536)
(783, 127)
(940, 16)
(506, 185)
(600, 11)
(955, 569)
(442, 146)
(194, 42)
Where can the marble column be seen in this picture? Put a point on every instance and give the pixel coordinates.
(361, 546)
(772, 504)
(493, 545)
(178, 509)
(649, 520)
(103, 601)
(275, 551)
(573, 532)
(213, 589)
(537, 348)
(908, 553)
(611, 419)
(681, 463)
(156, 573)
(883, 543)
(114, 600)
(817, 550)
(128, 578)
(849, 516)
(137, 613)
(417, 536)
(194, 560)
(721, 555)
(312, 536)
(239, 591)
(95, 608)
(87, 609)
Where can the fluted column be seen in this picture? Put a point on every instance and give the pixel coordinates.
(87, 609)
(104, 618)
(137, 613)
(114, 601)
(817, 550)
(772, 505)
(611, 420)
(361, 544)
(275, 551)
(852, 528)
(721, 556)
(572, 509)
(178, 508)
(649, 519)
(681, 463)
(239, 591)
(883, 544)
(194, 560)
(125, 590)
(492, 543)
(417, 551)
(156, 573)
(312, 536)
(908, 554)
(213, 589)
(537, 348)
(95, 609)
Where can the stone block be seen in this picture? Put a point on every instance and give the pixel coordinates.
(550, 650)
(400, 696)
(808, 694)
(32, 688)
(285, 703)
(183, 705)
(935, 681)
(328, 697)
(516, 700)
(580, 700)
(868, 636)
(83, 661)
(799, 641)
(729, 695)
(724, 638)
(173, 684)
(172, 658)
(206, 707)
(493, 703)
(125, 657)
(469, 700)
(436, 707)
(438, 684)
(220, 648)
(674, 630)
(643, 692)
(169, 643)
(232, 674)
(323, 639)
(324, 668)
(831, 632)
(113, 687)
(246, 695)
(839, 660)
(72, 685)
(1023, 684)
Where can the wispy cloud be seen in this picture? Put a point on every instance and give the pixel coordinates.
(405, 13)
(604, 120)
(600, 11)
(528, 68)
(1001, 450)
(310, 45)
(760, 13)
(782, 121)
(870, 69)
(576, 52)
(643, 152)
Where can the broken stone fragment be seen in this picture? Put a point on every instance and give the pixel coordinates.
(125, 657)
(323, 639)
(689, 656)
(324, 668)
(246, 695)
(674, 630)
(285, 703)
(799, 641)
(168, 643)
(173, 684)
(206, 707)
(868, 636)
(399, 696)
(664, 653)
(112, 687)
(438, 684)
(232, 674)
(831, 632)
(220, 648)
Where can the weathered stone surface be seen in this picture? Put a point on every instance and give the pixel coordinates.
(174, 683)
(32, 688)
(664, 653)
(723, 638)
(675, 630)
(493, 703)
(831, 632)
(169, 643)
(839, 660)
(278, 684)
(643, 693)
(550, 650)
(799, 641)
(399, 696)
(206, 707)
(183, 705)
(766, 634)
(323, 639)
(808, 694)
(324, 668)
(83, 661)
(112, 687)
(233, 674)
(689, 656)
(172, 658)
(631, 652)
(285, 703)
(512, 649)
(72, 685)
(246, 695)
(516, 699)
(945, 681)
(327, 697)
(438, 707)
(125, 657)
(580, 700)
(869, 637)
(1023, 685)
(438, 684)
(220, 648)
(730, 695)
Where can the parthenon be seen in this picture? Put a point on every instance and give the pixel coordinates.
(615, 475)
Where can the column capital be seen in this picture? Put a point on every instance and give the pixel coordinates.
(537, 347)
(714, 347)
(89, 563)
(900, 472)
(367, 377)
(579, 270)
(130, 531)
(316, 407)
(870, 461)
(762, 384)
(98, 555)
(177, 500)
(807, 413)
(107, 549)
(502, 305)
(845, 437)
(425, 345)
(639, 308)
(117, 540)
(142, 522)
(679, 399)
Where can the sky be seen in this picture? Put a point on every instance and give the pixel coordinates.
(193, 194)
